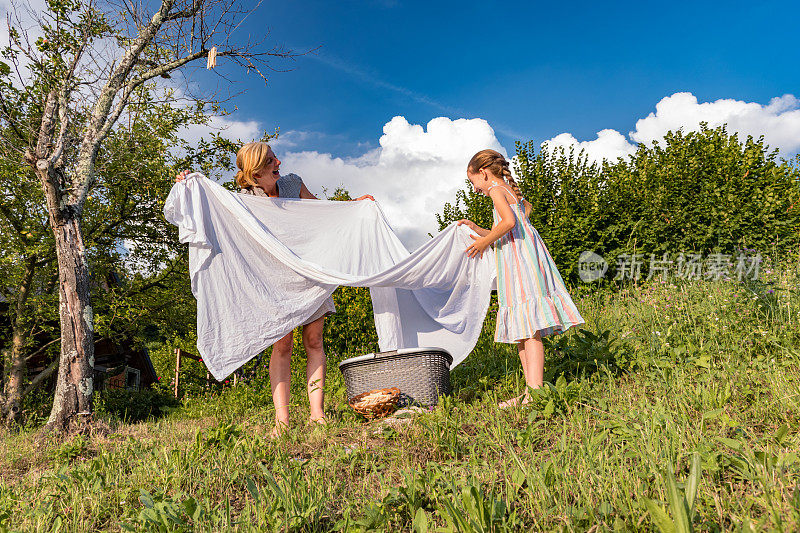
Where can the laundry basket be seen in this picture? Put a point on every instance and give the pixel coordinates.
(421, 374)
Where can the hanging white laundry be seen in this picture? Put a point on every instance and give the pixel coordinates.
(260, 267)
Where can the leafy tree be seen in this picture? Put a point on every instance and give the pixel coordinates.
(351, 330)
(27, 268)
(139, 294)
(81, 77)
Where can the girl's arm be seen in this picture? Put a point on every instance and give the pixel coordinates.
(474, 227)
(505, 225)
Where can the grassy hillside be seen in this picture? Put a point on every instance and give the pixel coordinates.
(678, 406)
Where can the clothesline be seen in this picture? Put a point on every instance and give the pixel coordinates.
(260, 267)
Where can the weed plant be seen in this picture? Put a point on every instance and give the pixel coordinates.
(675, 408)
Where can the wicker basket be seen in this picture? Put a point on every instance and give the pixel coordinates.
(376, 403)
(421, 374)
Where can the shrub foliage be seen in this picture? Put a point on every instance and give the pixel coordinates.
(704, 191)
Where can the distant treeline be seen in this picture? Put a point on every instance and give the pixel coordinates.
(703, 192)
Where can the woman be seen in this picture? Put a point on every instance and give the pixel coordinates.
(259, 174)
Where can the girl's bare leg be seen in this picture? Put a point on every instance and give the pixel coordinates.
(279, 377)
(534, 355)
(524, 360)
(531, 355)
(315, 368)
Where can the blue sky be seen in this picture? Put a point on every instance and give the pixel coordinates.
(396, 96)
(532, 70)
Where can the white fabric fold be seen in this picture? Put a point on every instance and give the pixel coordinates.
(260, 267)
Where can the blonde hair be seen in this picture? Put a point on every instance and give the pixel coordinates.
(495, 163)
(250, 158)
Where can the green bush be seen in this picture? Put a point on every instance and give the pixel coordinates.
(584, 354)
(193, 373)
(701, 192)
(351, 330)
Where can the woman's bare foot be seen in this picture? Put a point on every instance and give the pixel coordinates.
(279, 430)
(513, 402)
(320, 420)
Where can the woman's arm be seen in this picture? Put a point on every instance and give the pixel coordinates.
(528, 207)
(505, 225)
(305, 193)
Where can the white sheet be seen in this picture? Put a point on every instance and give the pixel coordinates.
(260, 267)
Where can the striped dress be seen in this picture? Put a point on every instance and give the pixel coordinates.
(530, 292)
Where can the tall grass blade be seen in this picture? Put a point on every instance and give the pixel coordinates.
(692, 484)
(659, 517)
(677, 504)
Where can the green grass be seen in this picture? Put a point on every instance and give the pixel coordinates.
(677, 408)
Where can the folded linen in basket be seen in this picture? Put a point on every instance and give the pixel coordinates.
(260, 267)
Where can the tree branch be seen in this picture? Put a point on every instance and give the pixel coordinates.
(186, 13)
(11, 122)
(101, 122)
(158, 280)
(41, 350)
(133, 84)
(63, 110)
(48, 124)
(41, 377)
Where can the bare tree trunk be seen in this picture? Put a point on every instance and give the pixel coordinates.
(74, 385)
(16, 378)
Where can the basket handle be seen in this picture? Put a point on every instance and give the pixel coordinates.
(386, 354)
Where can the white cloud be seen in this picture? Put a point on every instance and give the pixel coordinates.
(413, 173)
(291, 139)
(417, 169)
(610, 144)
(778, 122)
(230, 128)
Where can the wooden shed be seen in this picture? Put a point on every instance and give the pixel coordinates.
(117, 365)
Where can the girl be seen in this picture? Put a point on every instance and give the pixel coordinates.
(533, 301)
(259, 174)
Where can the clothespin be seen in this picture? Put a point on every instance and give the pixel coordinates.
(212, 58)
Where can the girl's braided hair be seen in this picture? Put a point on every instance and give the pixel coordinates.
(495, 163)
